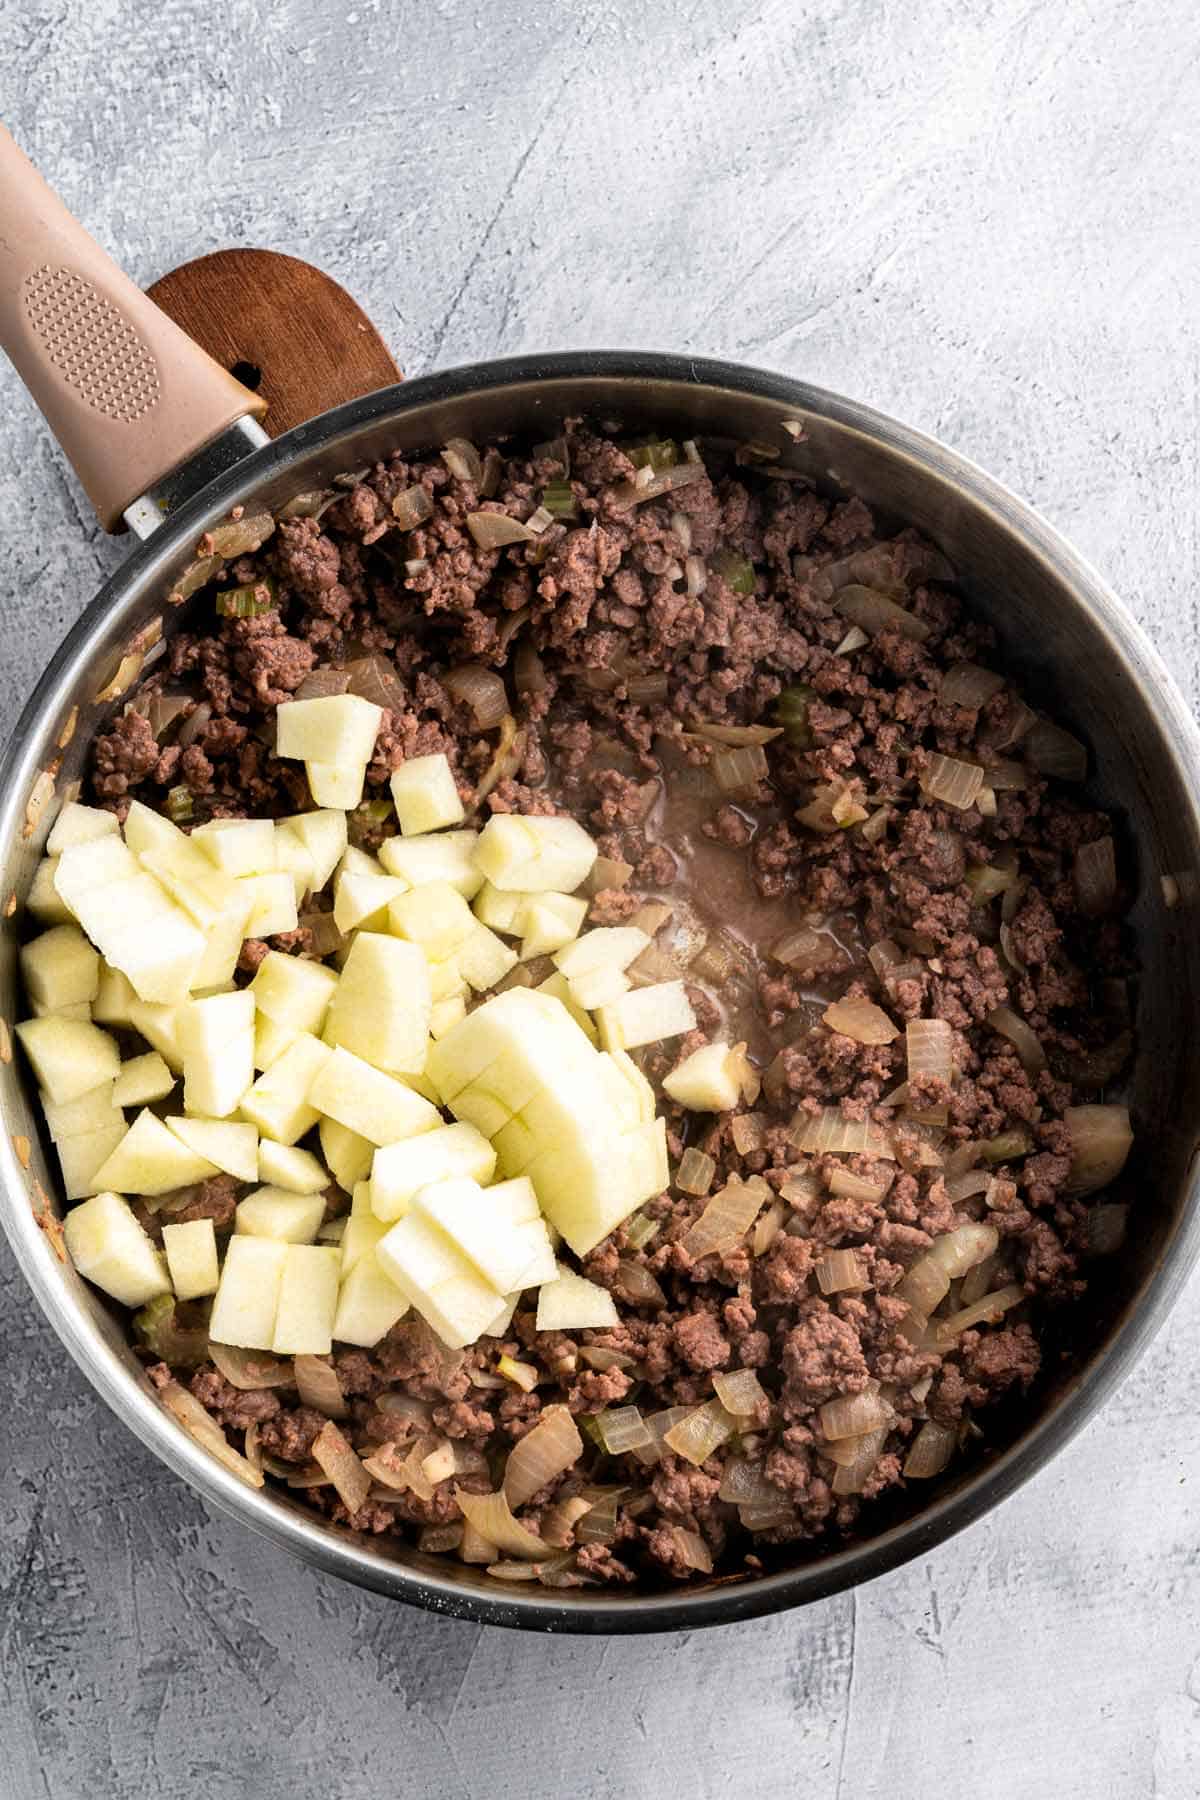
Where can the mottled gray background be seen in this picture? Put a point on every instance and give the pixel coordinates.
(981, 215)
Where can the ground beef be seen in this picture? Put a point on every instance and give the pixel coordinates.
(632, 673)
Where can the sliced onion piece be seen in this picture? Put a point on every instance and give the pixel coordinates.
(740, 1392)
(852, 1415)
(748, 1133)
(739, 770)
(661, 481)
(249, 1370)
(559, 1521)
(701, 1432)
(952, 782)
(658, 1424)
(842, 1272)
(987, 1311)
(1053, 751)
(873, 612)
(553, 1445)
(861, 1020)
(199, 1424)
(852, 1477)
(463, 461)
(506, 758)
(844, 1185)
(482, 690)
(599, 1523)
(690, 1548)
(635, 1283)
(968, 1184)
(930, 1045)
(828, 1133)
(1095, 877)
(411, 507)
(335, 1456)
(931, 1450)
(1022, 1037)
(966, 684)
(320, 684)
(767, 1228)
(745, 1484)
(319, 1387)
(375, 679)
(1106, 1228)
(1101, 1138)
(726, 1219)
(622, 1428)
(490, 1516)
(492, 530)
(736, 737)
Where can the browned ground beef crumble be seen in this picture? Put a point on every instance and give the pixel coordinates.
(603, 601)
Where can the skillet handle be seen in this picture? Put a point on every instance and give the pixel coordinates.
(128, 395)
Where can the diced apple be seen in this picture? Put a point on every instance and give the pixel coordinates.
(646, 1016)
(150, 1159)
(110, 1248)
(484, 959)
(363, 1230)
(548, 922)
(607, 947)
(446, 982)
(500, 911)
(368, 1102)
(60, 968)
(133, 922)
(438, 1280)
(159, 1025)
(362, 901)
(87, 1112)
(426, 795)
(142, 1080)
(223, 941)
(229, 1143)
(559, 988)
(191, 1250)
(400, 1170)
(83, 1154)
(503, 1319)
(598, 987)
(488, 1115)
(499, 1246)
(347, 1156)
(308, 1296)
(293, 991)
(284, 1166)
(79, 1009)
(272, 904)
(78, 824)
(333, 728)
(188, 875)
(354, 861)
(243, 1313)
(534, 855)
(446, 1013)
(516, 1025)
(643, 1094)
(323, 834)
(369, 1303)
(43, 899)
(276, 1213)
(337, 785)
(569, 1303)
(270, 1040)
(705, 1081)
(68, 1055)
(588, 1186)
(515, 1146)
(443, 856)
(238, 846)
(381, 1008)
(291, 856)
(435, 916)
(91, 865)
(217, 1039)
(278, 1102)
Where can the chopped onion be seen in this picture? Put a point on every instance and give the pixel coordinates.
(852, 1415)
(635, 1284)
(1022, 1036)
(738, 770)
(553, 1445)
(930, 1045)
(690, 1548)
(1101, 1137)
(981, 1279)
(767, 1228)
(852, 1477)
(327, 940)
(854, 639)
(522, 1374)
(954, 783)
(808, 949)
(701, 1432)
(927, 1282)
(238, 537)
(490, 1515)
(506, 758)
(321, 683)
(967, 1185)
(986, 880)
(873, 612)
(596, 1356)
(696, 574)
(374, 678)
(966, 684)
(622, 1428)
(748, 1132)
(1095, 877)
(319, 1386)
(474, 1548)
(658, 1424)
(638, 1233)
(345, 1470)
(828, 1133)
(464, 463)
(832, 808)
(1007, 1146)
(599, 1523)
(411, 507)
(736, 737)
(607, 872)
(726, 1219)
(931, 1450)
(642, 689)
(661, 481)
(199, 1424)
(482, 690)
(1106, 1228)
(987, 1311)
(250, 1370)
(164, 709)
(844, 1185)
(1053, 751)
(745, 1484)
(740, 1393)
(861, 1020)
(492, 530)
(874, 827)
(842, 1272)
(559, 1521)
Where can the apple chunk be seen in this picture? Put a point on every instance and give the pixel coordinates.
(60, 968)
(442, 856)
(425, 794)
(569, 1303)
(381, 1008)
(450, 1295)
(293, 991)
(142, 1079)
(110, 1248)
(334, 728)
(78, 824)
(217, 1039)
(368, 1102)
(191, 1250)
(646, 1015)
(243, 1313)
(285, 1166)
(150, 1159)
(68, 1055)
(238, 846)
(534, 855)
(347, 1156)
(369, 1303)
(278, 1102)
(308, 1296)
(228, 1143)
(705, 1081)
(276, 1213)
(500, 1233)
(401, 1169)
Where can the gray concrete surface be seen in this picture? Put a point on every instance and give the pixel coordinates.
(983, 216)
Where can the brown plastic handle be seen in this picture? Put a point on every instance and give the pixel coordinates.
(128, 395)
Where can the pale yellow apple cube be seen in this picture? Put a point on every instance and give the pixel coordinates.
(60, 968)
(291, 855)
(82, 1155)
(570, 1303)
(381, 1008)
(559, 988)
(368, 1102)
(347, 1156)
(270, 1040)
(337, 785)
(110, 1248)
(361, 901)
(78, 824)
(278, 1102)
(275, 1213)
(323, 835)
(646, 1016)
(43, 899)
(500, 911)
(435, 916)
(484, 959)
(333, 728)
(446, 1013)
(443, 856)
(598, 987)
(439, 1282)
(534, 855)
(159, 1025)
(606, 947)
(69, 1056)
(272, 904)
(217, 1039)
(293, 991)
(142, 1079)
(369, 1303)
(426, 795)
(286, 1166)
(400, 1170)
(238, 846)
(308, 1296)
(150, 1159)
(548, 922)
(229, 1143)
(243, 1313)
(706, 1081)
(482, 1226)
(191, 1251)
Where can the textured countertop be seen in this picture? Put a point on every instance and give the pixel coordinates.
(980, 215)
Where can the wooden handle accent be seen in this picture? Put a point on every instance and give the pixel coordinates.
(281, 325)
(128, 395)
